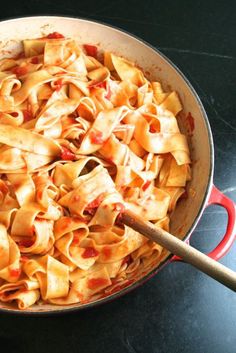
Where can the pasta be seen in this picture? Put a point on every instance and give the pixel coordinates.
(83, 135)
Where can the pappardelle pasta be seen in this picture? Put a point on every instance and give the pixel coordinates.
(83, 135)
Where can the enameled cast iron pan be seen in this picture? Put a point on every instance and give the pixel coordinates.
(201, 189)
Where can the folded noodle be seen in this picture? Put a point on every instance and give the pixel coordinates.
(83, 135)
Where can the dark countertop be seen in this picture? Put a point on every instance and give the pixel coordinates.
(180, 309)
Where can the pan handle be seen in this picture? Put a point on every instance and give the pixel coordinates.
(218, 198)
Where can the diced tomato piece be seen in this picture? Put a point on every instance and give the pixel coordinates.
(90, 252)
(118, 206)
(146, 185)
(152, 128)
(27, 115)
(94, 283)
(34, 60)
(26, 243)
(15, 272)
(95, 203)
(20, 70)
(70, 120)
(75, 241)
(14, 114)
(67, 155)
(55, 35)
(91, 50)
(96, 137)
(106, 252)
(76, 238)
(91, 207)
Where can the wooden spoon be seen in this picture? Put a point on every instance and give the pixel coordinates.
(176, 246)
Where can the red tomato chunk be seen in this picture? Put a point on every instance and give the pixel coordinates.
(15, 272)
(67, 155)
(95, 203)
(96, 137)
(34, 60)
(91, 50)
(152, 129)
(55, 35)
(27, 115)
(14, 114)
(26, 243)
(20, 70)
(146, 185)
(90, 252)
(106, 252)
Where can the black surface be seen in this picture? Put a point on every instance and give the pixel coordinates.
(180, 309)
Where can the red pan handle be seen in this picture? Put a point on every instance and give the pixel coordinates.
(217, 198)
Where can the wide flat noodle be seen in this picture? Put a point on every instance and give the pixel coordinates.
(82, 137)
(27, 141)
